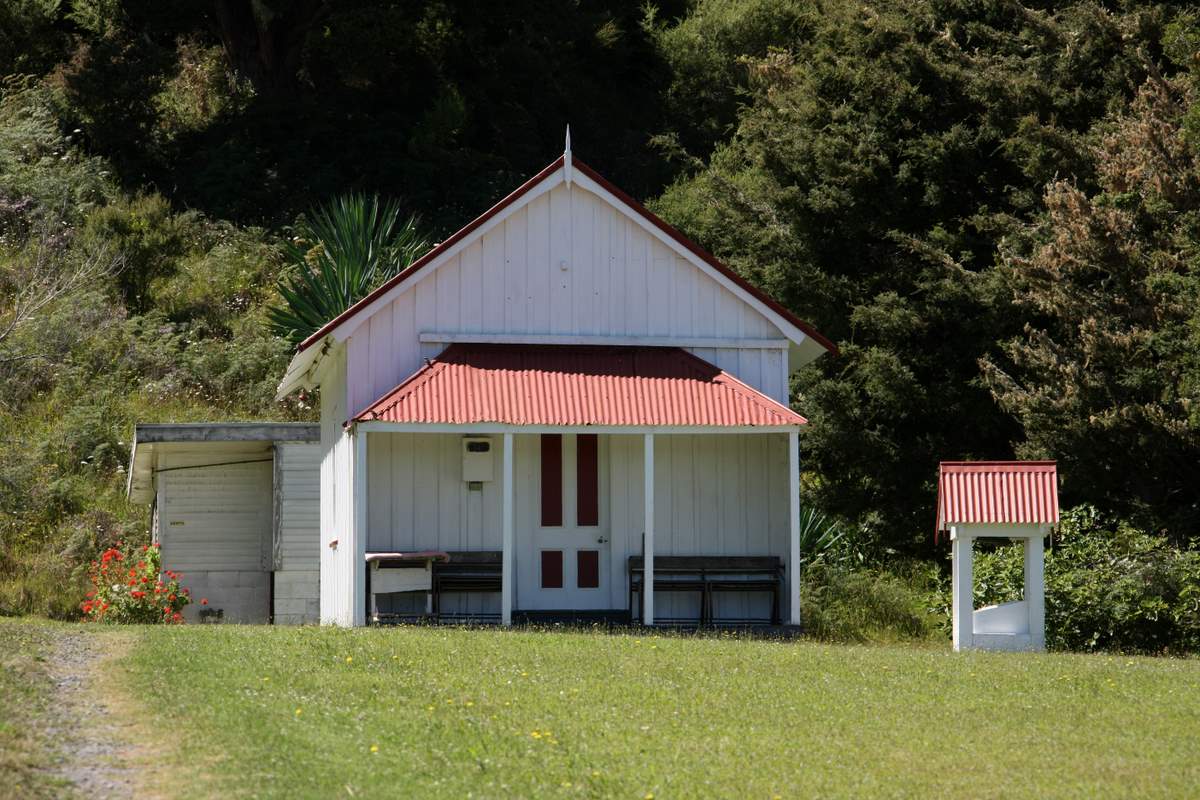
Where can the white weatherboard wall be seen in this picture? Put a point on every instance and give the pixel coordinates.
(297, 549)
(619, 281)
(716, 494)
(337, 558)
(214, 525)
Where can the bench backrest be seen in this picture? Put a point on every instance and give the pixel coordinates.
(717, 564)
(475, 557)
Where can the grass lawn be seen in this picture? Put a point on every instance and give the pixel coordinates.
(438, 712)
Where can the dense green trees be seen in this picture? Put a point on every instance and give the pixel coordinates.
(879, 160)
(991, 206)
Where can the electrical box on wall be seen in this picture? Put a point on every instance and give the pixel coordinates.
(477, 459)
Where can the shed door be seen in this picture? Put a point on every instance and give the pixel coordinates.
(565, 559)
(215, 528)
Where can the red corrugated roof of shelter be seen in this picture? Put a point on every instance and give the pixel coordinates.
(516, 194)
(997, 493)
(569, 385)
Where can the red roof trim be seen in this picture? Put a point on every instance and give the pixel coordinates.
(441, 247)
(460, 355)
(997, 493)
(516, 194)
(704, 255)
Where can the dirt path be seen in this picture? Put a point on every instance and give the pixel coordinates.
(98, 752)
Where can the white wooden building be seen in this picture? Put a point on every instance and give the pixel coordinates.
(572, 391)
(235, 509)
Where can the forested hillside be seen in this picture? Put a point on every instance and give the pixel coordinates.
(993, 208)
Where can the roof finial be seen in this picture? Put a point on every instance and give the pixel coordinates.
(567, 157)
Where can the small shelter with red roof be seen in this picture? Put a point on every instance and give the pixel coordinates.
(565, 408)
(1013, 500)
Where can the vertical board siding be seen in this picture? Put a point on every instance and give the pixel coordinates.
(298, 521)
(336, 510)
(714, 495)
(618, 281)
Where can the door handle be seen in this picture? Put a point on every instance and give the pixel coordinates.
(602, 539)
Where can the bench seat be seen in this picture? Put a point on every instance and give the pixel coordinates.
(709, 575)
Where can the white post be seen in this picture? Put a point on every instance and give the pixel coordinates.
(648, 554)
(506, 566)
(962, 589)
(1035, 590)
(794, 523)
(358, 548)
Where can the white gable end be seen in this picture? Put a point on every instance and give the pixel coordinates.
(565, 262)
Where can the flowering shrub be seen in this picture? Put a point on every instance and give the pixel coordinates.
(128, 586)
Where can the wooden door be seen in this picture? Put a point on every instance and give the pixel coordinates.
(565, 558)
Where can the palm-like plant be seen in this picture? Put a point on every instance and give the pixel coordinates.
(818, 534)
(343, 250)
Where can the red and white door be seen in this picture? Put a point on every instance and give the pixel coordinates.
(565, 558)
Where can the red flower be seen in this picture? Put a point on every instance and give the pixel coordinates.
(91, 594)
(171, 597)
(137, 595)
(203, 601)
(145, 547)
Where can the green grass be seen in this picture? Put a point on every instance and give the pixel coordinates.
(25, 693)
(277, 712)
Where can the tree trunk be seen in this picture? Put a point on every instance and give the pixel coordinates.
(263, 44)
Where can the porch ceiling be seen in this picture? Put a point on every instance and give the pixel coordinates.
(572, 385)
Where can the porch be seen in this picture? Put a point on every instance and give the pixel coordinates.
(573, 476)
(563, 531)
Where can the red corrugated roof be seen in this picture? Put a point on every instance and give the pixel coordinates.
(634, 205)
(575, 385)
(997, 492)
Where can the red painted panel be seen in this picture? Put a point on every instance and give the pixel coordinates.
(552, 569)
(587, 478)
(588, 569)
(552, 484)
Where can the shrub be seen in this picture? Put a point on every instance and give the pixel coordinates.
(127, 587)
(869, 604)
(1109, 586)
(348, 247)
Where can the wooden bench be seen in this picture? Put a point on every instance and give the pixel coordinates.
(467, 571)
(709, 576)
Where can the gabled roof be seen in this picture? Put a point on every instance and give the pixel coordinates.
(561, 169)
(997, 493)
(566, 385)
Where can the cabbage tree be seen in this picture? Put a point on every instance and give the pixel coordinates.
(341, 251)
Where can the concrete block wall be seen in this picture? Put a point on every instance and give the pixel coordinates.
(296, 599)
(243, 596)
